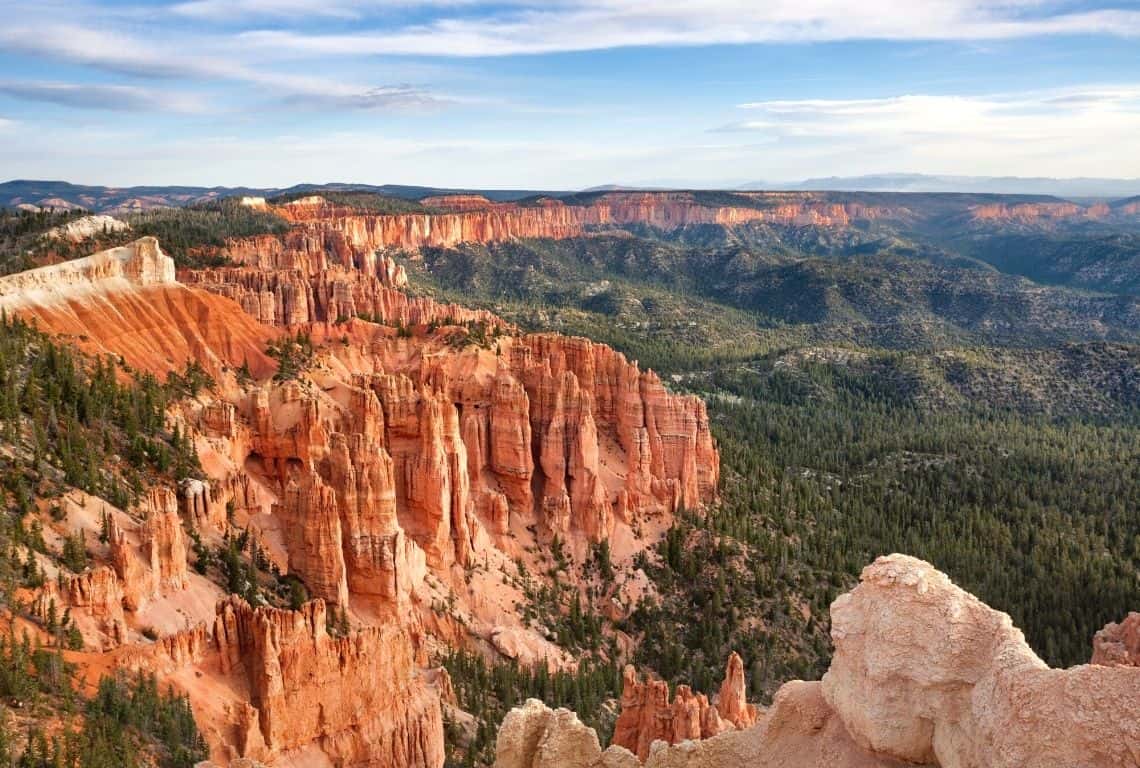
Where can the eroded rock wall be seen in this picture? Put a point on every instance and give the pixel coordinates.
(357, 696)
(648, 715)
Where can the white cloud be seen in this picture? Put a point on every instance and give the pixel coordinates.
(118, 98)
(1079, 131)
(225, 10)
(578, 25)
(237, 10)
(106, 50)
(211, 61)
(885, 135)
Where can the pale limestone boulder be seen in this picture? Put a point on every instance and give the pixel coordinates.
(927, 673)
(535, 736)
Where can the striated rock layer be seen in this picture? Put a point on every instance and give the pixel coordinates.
(125, 301)
(295, 297)
(923, 673)
(153, 560)
(470, 219)
(424, 464)
(333, 264)
(140, 264)
(356, 696)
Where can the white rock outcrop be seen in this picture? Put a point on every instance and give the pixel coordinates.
(926, 673)
(87, 227)
(799, 730)
(138, 264)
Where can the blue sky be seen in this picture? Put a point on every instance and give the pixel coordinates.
(564, 94)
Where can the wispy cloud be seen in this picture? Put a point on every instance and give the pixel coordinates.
(257, 65)
(242, 10)
(117, 98)
(580, 25)
(230, 10)
(1059, 131)
(402, 97)
(1002, 117)
(106, 50)
(117, 53)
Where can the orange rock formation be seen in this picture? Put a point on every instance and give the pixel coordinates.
(125, 302)
(357, 696)
(647, 715)
(459, 219)
(96, 593)
(153, 562)
(394, 476)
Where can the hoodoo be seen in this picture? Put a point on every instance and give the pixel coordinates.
(401, 480)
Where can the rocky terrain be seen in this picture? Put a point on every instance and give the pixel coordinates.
(368, 480)
(923, 674)
(403, 479)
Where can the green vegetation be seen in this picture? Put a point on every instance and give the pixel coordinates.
(294, 355)
(864, 404)
(47, 722)
(19, 232)
(362, 200)
(1102, 261)
(488, 692)
(191, 235)
(68, 420)
(72, 422)
(1036, 516)
(679, 308)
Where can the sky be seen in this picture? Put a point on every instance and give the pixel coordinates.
(565, 94)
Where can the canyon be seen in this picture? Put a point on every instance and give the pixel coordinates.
(417, 474)
(398, 474)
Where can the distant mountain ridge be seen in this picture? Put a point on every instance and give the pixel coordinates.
(36, 193)
(1006, 185)
(99, 199)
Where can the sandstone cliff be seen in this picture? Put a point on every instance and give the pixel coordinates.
(924, 672)
(401, 479)
(138, 265)
(799, 730)
(647, 714)
(356, 696)
(94, 600)
(125, 301)
(471, 219)
(334, 263)
(152, 559)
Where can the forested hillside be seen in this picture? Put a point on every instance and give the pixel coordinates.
(191, 235)
(67, 421)
(864, 405)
